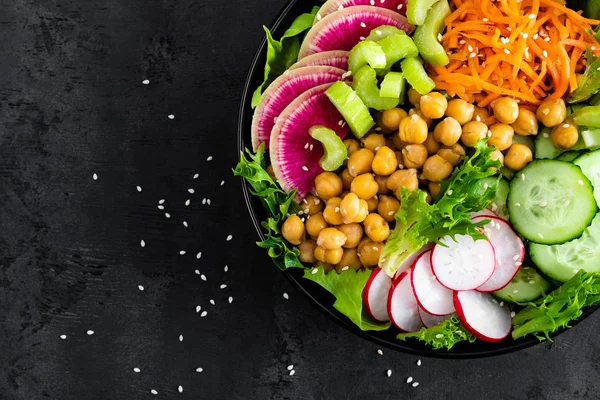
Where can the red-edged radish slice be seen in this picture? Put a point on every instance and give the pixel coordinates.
(402, 305)
(431, 320)
(485, 212)
(432, 296)
(482, 315)
(375, 295)
(406, 264)
(509, 250)
(463, 264)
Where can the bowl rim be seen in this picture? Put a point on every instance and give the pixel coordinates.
(245, 113)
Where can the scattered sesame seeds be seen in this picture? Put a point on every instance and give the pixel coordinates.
(167, 215)
(580, 182)
(208, 201)
(95, 176)
(209, 158)
(536, 36)
(161, 201)
(222, 183)
(345, 268)
(286, 296)
(399, 7)
(229, 237)
(439, 336)
(314, 271)
(204, 314)
(225, 268)
(63, 337)
(415, 384)
(472, 55)
(230, 299)
(196, 176)
(136, 370)
(363, 25)
(185, 224)
(531, 16)
(198, 308)
(181, 338)
(141, 288)
(203, 277)
(409, 379)
(204, 200)
(90, 332)
(180, 389)
(171, 116)
(197, 272)
(139, 188)
(191, 191)
(378, 32)
(485, 19)
(223, 286)
(187, 202)
(199, 369)
(145, 82)
(306, 145)
(545, 53)
(418, 363)
(160, 207)
(292, 372)
(380, 352)
(389, 373)
(142, 243)
(506, 51)
(290, 367)
(470, 48)
(211, 301)
(182, 252)
(153, 391)
(304, 168)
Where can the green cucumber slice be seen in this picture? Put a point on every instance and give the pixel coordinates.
(383, 31)
(335, 152)
(396, 47)
(415, 74)
(416, 10)
(526, 140)
(393, 85)
(568, 156)
(365, 85)
(551, 202)
(545, 149)
(527, 285)
(354, 111)
(426, 35)
(366, 52)
(590, 166)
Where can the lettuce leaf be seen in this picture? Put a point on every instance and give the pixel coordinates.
(283, 53)
(347, 288)
(444, 335)
(559, 308)
(419, 223)
(277, 203)
(590, 81)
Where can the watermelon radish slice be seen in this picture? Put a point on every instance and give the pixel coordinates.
(375, 295)
(282, 92)
(509, 250)
(463, 263)
(482, 315)
(294, 153)
(402, 305)
(343, 29)
(484, 213)
(430, 320)
(333, 58)
(406, 264)
(332, 6)
(432, 296)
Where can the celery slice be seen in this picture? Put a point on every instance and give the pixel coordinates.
(383, 31)
(415, 74)
(333, 146)
(366, 52)
(393, 85)
(590, 136)
(365, 85)
(416, 10)
(426, 35)
(587, 116)
(397, 47)
(354, 111)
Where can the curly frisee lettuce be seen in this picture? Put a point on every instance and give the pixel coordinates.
(441, 336)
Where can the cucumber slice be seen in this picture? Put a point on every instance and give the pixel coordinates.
(551, 202)
(393, 85)
(498, 203)
(590, 166)
(426, 35)
(366, 52)
(416, 75)
(365, 85)
(354, 111)
(561, 262)
(526, 140)
(568, 156)
(335, 151)
(526, 285)
(544, 148)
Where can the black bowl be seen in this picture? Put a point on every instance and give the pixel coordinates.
(320, 297)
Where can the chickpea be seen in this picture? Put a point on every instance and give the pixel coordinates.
(328, 185)
(360, 162)
(373, 141)
(448, 131)
(311, 205)
(307, 249)
(403, 178)
(332, 212)
(413, 129)
(501, 136)
(319, 253)
(327, 268)
(431, 144)
(565, 136)
(480, 114)
(517, 157)
(331, 238)
(385, 161)
(433, 105)
(364, 186)
(453, 154)
(497, 156)
(436, 168)
(552, 113)
(369, 252)
(387, 207)
(414, 97)
(332, 256)
(293, 229)
(372, 204)
(414, 155)
(506, 110)
(390, 119)
(418, 112)
(349, 260)
(346, 179)
(351, 145)
(353, 232)
(526, 123)
(434, 188)
(460, 110)
(376, 228)
(382, 182)
(271, 172)
(428, 197)
(398, 143)
(472, 132)
(315, 224)
(353, 209)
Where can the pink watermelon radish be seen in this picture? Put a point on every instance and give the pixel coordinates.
(294, 153)
(343, 29)
(430, 320)
(333, 58)
(402, 305)
(482, 315)
(282, 92)
(484, 213)
(331, 6)
(432, 296)
(376, 293)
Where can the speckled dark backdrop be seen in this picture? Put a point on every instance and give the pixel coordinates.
(72, 104)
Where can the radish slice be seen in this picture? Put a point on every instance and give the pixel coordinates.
(431, 320)
(482, 315)
(406, 264)
(464, 264)
(402, 305)
(433, 297)
(509, 250)
(485, 212)
(375, 295)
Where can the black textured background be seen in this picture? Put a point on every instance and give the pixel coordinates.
(72, 104)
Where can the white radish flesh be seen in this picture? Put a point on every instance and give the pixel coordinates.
(406, 264)
(484, 213)
(432, 296)
(509, 250)
(482, 315)
(402, 305)
(430, 320)
(463, 264)
(375, 295)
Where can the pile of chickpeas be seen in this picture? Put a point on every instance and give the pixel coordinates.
(347, 220)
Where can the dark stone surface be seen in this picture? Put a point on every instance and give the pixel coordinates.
(72, 104)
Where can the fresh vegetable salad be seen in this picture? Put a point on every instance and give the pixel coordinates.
(433, 163)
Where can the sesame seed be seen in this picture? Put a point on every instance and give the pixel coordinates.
(171, 116)
(198, 308)
(439, 336)
(315, 270)
(204, 200)
(470, 48)
(153, 391)
(380, 352)
(515, 291)
(345, 268)
(319, 16)
(196, 176)
(409, 379)
(223, 286)
(567, 202)
(593, 48)
(197, 272)
(439, 37)
(90, 332)
(160, 207)
(304, 168)
(204, 314)
(519, 263)
(180, 389)
(142, 243)
(485, 19)
(286, 296)
(191, 191)
(580, 182)
(399, 7)
(230, 299)
(536, 36)
(167, 215)
(545, 53)
(516, 257)
(543, 204)
(161, 201)
(472, 55)
(181, 338)
(540, 235)
(545, 135)
(63, 337)
(229, 237)
(450, 192)
(531, 16)
(415, 384)
(203, 277)
(525, 35)
(363, 25)
(462, 41)
(506, 51)
(566, 125)
(139, 188)
(310, 147)
(378, 32)
(306, 145)
(95, 177)
(187, 202)
(136, 370)
(485, 186)
(389, 373)
(362, 38)
(512, 314)
(145, 82)
(222, 183)
(141, 288)
(522, 177)
(292, 372)
(418, 363)
(211, 301)
(290, 367)
(225, 268)
(185, 224)
(182, 252)
(199, 369)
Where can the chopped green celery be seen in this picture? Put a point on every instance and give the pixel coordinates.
(590, 136)
(333, 146)
(366, 52)
(365, 85)
(396, 47)
(415, 74)
(587, 116)
(416, 10)
(393, 85)
(426, 35)
(383, 31)
(351, 107)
